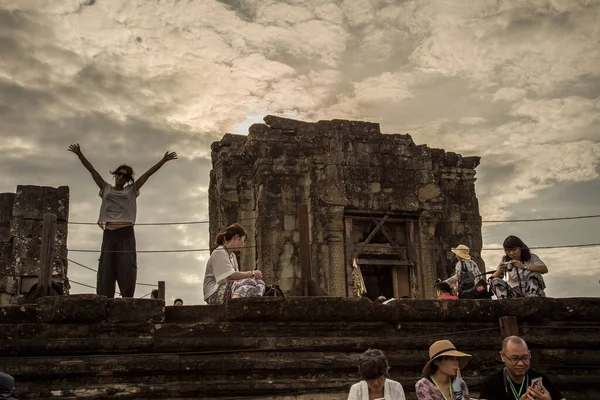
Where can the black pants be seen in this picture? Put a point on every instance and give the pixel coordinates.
(117, 263)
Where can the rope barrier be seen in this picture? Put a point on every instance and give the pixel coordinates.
(370, 217)
(582, 245)
(92, 269)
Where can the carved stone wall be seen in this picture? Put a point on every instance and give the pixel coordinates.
(337, 167)
(21, 217)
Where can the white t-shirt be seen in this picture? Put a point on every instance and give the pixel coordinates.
(513, 278)
(392, 391)
(219, 267)
(118, 205)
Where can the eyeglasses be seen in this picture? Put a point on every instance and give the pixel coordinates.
(516, 359)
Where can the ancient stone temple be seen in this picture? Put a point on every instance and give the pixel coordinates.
(21, 216)
(378, 200)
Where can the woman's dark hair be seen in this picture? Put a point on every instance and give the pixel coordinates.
(372, 364)
(127, 168)
(513, 242)
(229, 233)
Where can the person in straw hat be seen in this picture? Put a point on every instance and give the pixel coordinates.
(441, 375)
(466, 272)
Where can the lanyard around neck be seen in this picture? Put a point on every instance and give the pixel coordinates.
(516, 395)
(450, 386)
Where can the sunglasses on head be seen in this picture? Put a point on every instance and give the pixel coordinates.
(119, 173)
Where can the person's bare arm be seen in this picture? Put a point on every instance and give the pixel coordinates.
(142, 179)
(245, 274)
(541, 268)
(75, 148)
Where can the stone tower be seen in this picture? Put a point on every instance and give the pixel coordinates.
(395, 207)
(21, 217)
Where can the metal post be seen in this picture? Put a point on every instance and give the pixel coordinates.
(304, 250)
(509, 326)
(161, 290)
(46, 255)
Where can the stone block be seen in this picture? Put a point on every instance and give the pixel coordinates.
(89, 338)
(309, 130)
(468, 310)
(191, 314)
(32, 202)
(340, 125)
(27, 235)
(30, 266)
(327, 309)
(275, 122)
(420, 310)
(470, 162)
(7, 201)
(78, 308)
(135, 310)
(452, 159)
(8, 281)
(529, 308)
(6, 208)
(375, 187)
(8, 340)
(18, 314)
(429, 192)
(420, 151)
(255, 309)
(572, 309)
(257, 131)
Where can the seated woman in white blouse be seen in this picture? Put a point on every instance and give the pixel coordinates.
(375, 383)
(223, 279)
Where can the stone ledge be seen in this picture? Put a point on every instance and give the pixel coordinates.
(135, 310)
(88, 308)
(18, 314)
(82, 308)
(200, 313)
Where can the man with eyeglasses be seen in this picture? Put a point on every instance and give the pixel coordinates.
(514, 381)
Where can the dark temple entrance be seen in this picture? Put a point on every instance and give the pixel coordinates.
(383, 245)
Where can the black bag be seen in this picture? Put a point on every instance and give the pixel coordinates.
(273, 291)
(479, 291)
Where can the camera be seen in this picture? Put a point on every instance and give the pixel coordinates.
(509, 266)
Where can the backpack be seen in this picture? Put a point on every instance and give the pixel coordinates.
(465, 282)
(273, 291)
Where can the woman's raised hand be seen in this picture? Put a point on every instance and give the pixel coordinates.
(169, 156)
(75, 149)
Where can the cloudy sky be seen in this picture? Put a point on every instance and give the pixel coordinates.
(515, 82)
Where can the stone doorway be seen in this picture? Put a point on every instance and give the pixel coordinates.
(383, 244)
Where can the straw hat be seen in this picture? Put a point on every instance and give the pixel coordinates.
(445, 348)
(462, 251)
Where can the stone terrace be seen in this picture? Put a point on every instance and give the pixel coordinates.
(88, 347)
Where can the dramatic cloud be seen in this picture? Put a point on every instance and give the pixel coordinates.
(515, 82)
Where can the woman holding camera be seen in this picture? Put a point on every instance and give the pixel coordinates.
(523, 270)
